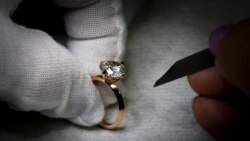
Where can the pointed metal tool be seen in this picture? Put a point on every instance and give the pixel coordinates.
(191, 64)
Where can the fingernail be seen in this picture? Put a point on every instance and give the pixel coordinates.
(217, 35)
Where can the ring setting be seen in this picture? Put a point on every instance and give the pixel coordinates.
(112, 72)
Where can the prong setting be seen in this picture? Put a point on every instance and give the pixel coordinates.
(113, 71)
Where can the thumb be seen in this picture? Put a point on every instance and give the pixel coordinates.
(97, 33)
(233, 54)
(39, 74)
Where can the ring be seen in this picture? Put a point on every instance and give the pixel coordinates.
(112, 72)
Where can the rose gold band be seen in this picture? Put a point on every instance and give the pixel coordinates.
(121, 113)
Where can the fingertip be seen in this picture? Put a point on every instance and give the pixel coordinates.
(217, 35)
(216, 117)
(209, 83)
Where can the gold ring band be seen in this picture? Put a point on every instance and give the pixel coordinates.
(121, 113)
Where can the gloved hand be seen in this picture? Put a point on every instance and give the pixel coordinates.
(39, 74)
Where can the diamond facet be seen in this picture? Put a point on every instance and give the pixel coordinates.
(112, 70)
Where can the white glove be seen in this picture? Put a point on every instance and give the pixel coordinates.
(39, 74)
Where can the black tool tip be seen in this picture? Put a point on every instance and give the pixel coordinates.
(156, 84)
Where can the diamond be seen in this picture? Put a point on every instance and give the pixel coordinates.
(112, 70)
